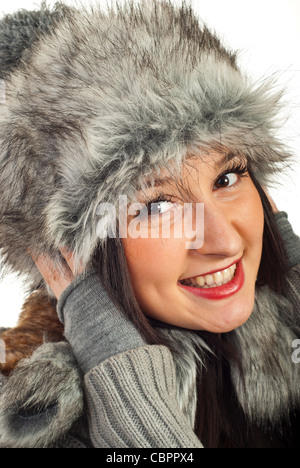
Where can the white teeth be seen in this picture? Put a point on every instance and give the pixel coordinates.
(200, 280)
(211, 281)
(218, 277)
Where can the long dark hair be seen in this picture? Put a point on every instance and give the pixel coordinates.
(219, 421)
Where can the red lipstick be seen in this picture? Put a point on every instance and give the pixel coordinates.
(223, 291)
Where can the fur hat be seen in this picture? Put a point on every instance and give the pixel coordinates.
(96, 101)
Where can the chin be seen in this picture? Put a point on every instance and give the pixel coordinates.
(224, 318)
(232, 320)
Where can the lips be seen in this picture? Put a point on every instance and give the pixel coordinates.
(219, 292)
(211, 279)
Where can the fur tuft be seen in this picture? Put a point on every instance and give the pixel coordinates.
(42, 399)
(269, 391)
(20, 30)
(38, 323)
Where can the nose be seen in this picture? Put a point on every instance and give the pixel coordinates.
(222, 237)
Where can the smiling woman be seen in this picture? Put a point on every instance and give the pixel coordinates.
(230, 199)
(171, 342)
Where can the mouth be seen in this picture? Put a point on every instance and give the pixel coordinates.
(211, 280)
(216, 285)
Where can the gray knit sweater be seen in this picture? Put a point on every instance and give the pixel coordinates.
(105, 387)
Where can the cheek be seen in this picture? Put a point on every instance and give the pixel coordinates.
(152, 262)
(153, 266)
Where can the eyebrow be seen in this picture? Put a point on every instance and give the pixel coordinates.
(228, 157)
(159, 181)
(223, 161)
(219, 164)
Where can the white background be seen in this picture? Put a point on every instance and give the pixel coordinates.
(267, 35)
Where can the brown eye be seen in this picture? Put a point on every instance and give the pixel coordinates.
(226, 180)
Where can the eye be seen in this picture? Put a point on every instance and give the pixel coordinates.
(232, 175)
(226, 180)
(159, 207)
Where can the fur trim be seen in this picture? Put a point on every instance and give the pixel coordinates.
(38, 323)
(107, 99)
(41, 399)
(269, 391)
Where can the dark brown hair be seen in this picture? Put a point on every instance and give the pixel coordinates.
(274, 264)
(220, 421)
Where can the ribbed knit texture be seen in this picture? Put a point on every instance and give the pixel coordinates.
(132, 402)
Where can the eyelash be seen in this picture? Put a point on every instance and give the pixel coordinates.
(158, 197)
(238, 168)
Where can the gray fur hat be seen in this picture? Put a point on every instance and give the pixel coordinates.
(96, 101)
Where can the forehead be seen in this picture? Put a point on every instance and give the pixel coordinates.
(190, 167)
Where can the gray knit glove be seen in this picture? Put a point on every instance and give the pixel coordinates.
(291, 240)
(94, 327)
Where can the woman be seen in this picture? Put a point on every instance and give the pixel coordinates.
(172, 340)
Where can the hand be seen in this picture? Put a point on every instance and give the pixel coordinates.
(57, 279)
